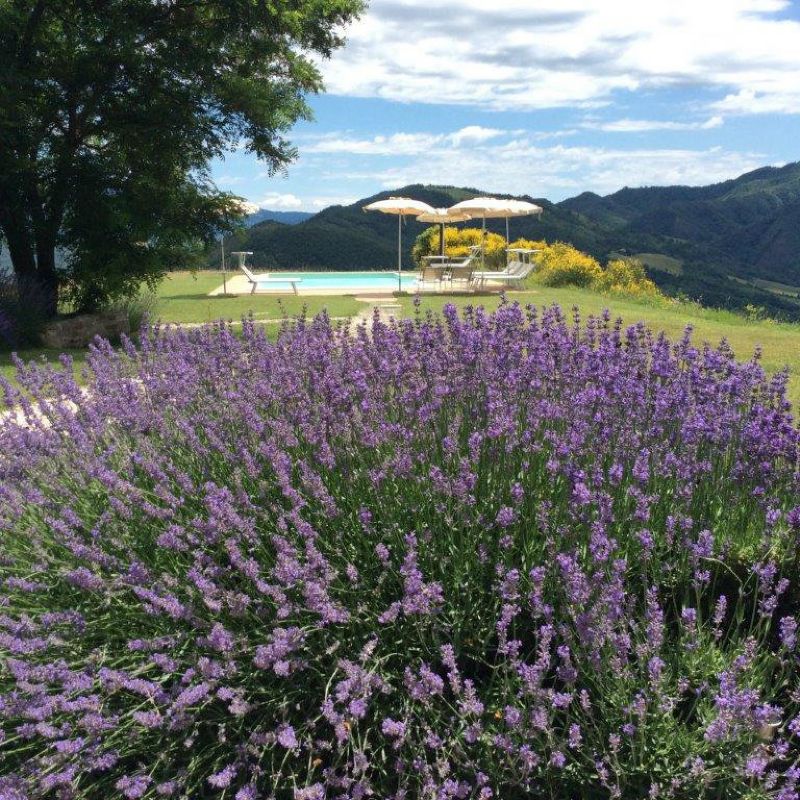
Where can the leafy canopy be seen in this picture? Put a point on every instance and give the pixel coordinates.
(112, 110)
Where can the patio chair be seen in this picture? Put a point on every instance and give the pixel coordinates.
(462, 273)
(431, 273)
(463, 270)
(255, 279)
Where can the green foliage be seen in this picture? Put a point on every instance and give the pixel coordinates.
(112, 111)
(755, 313)
(140, 309)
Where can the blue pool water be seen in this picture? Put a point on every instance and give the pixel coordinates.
(341, 281)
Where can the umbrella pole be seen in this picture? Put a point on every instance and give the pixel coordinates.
(441, 241)
(224, 273)
(483, 246)
(399, 252)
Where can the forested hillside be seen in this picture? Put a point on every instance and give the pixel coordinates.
(723, 242)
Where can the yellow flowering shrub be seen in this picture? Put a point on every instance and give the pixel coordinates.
(557, 264)
(457, 243)
(625, 276)
(529, 244)
(561, 264)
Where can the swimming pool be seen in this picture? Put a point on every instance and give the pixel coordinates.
(340, 282)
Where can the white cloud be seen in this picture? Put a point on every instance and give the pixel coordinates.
(317, 203)
(524, 164)
(400, 144)
(397, 144)
(227, 180)
(517, 55)
(748, 101)
(474, 134)
(647, 125)
(276, 201)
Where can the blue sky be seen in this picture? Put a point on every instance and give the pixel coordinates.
(543, 97)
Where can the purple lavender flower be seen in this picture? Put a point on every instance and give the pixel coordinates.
(233, 548)
(788, 632)
(393, 729)
(133, 786)
(287, 738)
(223, 778)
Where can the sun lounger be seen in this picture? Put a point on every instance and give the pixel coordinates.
(516, 272)
(257, 280)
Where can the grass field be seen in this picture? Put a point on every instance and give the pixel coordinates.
(657, 261)
(182, 298)
(778, 288)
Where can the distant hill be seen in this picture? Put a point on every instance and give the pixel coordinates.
(286, 217)
(730, 239)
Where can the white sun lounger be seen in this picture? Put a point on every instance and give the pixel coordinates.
(516, 272)
(256, 280)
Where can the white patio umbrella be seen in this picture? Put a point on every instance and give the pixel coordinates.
(402, 207)
(441, 216)
(522, 208)
(485, 208)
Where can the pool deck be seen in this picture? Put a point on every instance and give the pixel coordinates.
(239, 285)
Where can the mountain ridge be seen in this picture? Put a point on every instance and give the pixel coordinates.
(286, 217)
(726, 235)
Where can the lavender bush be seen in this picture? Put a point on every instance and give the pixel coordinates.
(498, 555)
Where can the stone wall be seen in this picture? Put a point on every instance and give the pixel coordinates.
(73, 332)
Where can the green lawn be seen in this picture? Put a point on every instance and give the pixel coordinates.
(182, 297)
(8, 370)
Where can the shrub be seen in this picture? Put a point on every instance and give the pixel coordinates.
(6, 329)
(626, 276)
(561, 264)
(139, 308)
(498, 555)
(529, 244)
(458, 242)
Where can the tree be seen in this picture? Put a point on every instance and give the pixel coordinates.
(110, 111)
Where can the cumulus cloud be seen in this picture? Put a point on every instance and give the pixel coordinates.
(399, 144)
(317, 203)
(277, 201)
(473, 134)
(511, 55)
(647, 125)
(520, 163)
(393, 145)
(748, 101)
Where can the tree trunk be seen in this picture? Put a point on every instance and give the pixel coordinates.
(20, 251)
(47, 278)
(32, 249)
(35, 269)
